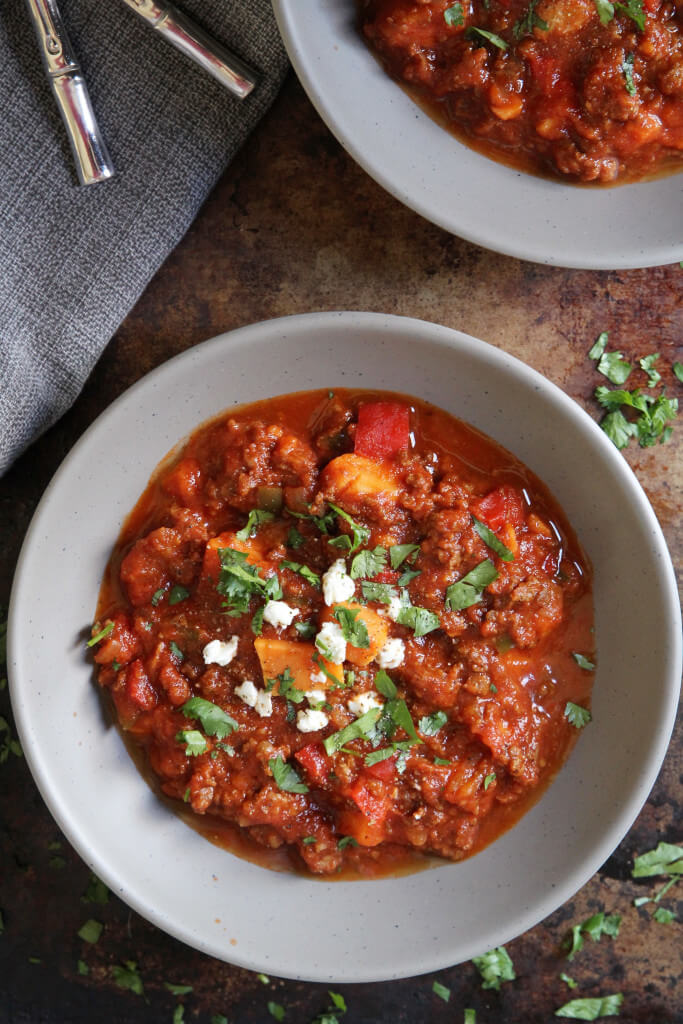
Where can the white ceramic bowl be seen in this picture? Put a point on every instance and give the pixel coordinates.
(285, 924)
(426, 168)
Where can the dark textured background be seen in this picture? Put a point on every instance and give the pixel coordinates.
(294, 226)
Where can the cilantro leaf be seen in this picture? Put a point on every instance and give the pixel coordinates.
(9, 745)
(361, 534)
(385, 685)
(583, 662)
(346, 841)
(255, 519)
(303, 570)
(678, 371)
(576, 715)
(367, 564)
(275, 1010)
(398, 553)
(633, 9)
(407, 576)
(306, 629)
(595, 927)
(618, 429)
(453, 16)
(215, 721)
(613, 366)
(177, 594)
(294, 538)
(665, 859)
(375, 756)
(470, 1017)
(526, 25)
(104, 632)
(430, 724)
(469, 589)
(178, 1014)
(359, 729)
(488, 780)
(96, 891)
(178, 990)
(441, 991)
(600, 343)
(495, 967)
(592, 1008)
(353, 628)
(664, 916)
(489, 538)
(382, 593)
(127, 976)
(91, 931)
(239, 580)
(257, 620)
(569, 982)
(420, 620)
(286, 688)
(399, 715)
(195, 743)
(157, 596)
(605, 11)
(490, 37)
(630, 86)
(286, 777)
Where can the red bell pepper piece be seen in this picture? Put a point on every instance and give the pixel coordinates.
(385, 770)
(383, 429)
(504, 505)
(373, 806)
(316, 762)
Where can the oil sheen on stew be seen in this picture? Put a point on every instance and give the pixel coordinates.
(587, 90)
(343, 627)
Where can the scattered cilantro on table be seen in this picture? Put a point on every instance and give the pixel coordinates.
(594, 927)
(441, 991)
(127, 976)
(592, 1008)
(495, 967)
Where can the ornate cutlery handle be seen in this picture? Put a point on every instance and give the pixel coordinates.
(188, 37)
(93, 162)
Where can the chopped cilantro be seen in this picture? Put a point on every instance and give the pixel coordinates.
(569, 982)
(592, 1008)
(453, 16)
(618, 429)
(605, 11)
(178, 1014)
(178, 990)
(407, 576)
(441, 991)
(385, 685)
(600, 343)
(286, 777)
(257, 621)
(177, 594)
(127, 976)
(277, 1011)
(399, 553)
(595, 927)
(477, 34)
(311, 577)
(613, 366)
(630, 86)
(255, 519)
(469, 589)
(175, 651)
(678, 371)
(157, 596)
(346, 841)
(361, 535)
(420, 620)
(367, 564)
(354, 630)
(576, 715)
(105, 631)
(90, 931)
(239, 580)
(441, 761)
(583, 662)
(375, 756)
(382, 593)
(470, 1017)
(495, 967)
(431, 724)
(489, 538)
(8, 745)
(96, 891)
(195, 743)
(360, 729)
(215, 721)
(663, 916)
(308, 840)
(666, 859)
(82, 968)
(305, 629)
(286, 687)
(488, 780)
(633, 9)
(526, 25)
(294, 538)
(219, 1018)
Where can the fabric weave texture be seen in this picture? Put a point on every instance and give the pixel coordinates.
(74, 260)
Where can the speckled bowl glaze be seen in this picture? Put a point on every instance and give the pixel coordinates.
(426, 168)
(290, 925)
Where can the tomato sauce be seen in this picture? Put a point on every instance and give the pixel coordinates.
(583, 90)
(340, 631)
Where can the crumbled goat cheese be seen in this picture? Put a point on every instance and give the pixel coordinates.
(311, 721)
(392, 654)
(331, 643)
(318, 677)
(395, 607)
(220, 652)
(362, 702)
(337, 584)
(315, 696)
(247, 692)
(279, 613)
(264, 704)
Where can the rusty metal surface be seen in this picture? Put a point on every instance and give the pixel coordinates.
(295, 226)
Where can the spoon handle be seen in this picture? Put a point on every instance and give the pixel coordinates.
(191, 39)
(92, 159)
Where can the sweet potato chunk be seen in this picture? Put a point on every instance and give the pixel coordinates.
(376, 625)
(355, 476)
(277, 655)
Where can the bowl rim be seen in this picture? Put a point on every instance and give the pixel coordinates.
(373, 323)
(592, 254)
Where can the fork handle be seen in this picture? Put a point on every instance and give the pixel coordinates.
(89, 149)
(191, 39)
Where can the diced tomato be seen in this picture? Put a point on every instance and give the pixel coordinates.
(385, 770)
(316, 762)
(504, 505)
(383, 429)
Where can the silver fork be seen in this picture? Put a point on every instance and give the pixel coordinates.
(93, 162)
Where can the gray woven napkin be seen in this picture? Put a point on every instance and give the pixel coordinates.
(74, 260)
